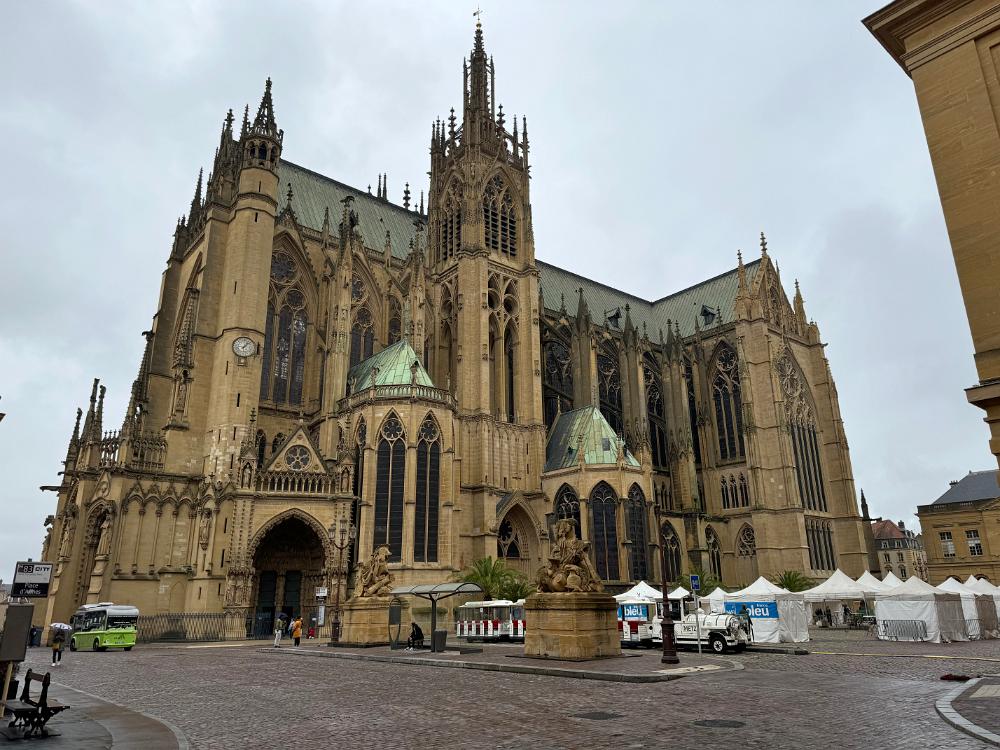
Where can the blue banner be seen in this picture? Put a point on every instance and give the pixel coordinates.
(633, 612)
(758, 610)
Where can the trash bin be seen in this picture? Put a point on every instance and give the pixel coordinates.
(36, 637)
(438, 640)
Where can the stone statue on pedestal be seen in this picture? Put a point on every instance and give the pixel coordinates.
(374, 578)
(569, 568)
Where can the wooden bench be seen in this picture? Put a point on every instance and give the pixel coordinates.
(31, 715)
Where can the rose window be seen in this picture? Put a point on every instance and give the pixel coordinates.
(297, 457)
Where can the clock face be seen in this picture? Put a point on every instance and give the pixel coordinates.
(244, 347)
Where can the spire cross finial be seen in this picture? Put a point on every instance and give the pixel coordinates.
(479, 16)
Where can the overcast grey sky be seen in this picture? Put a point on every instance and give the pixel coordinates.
(664, 136)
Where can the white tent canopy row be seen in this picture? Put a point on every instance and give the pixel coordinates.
(776, 615)
(917, 611)
(981, 610)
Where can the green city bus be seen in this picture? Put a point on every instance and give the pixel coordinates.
(98, 627)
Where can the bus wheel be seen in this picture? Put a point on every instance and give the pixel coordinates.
(717, 644)
(72, 644)
(97, 645)
(128, 648)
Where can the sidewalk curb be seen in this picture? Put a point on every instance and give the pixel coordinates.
(953, 717)
(776, 650)
(489, 667)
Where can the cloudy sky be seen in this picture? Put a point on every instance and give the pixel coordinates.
(664, 136)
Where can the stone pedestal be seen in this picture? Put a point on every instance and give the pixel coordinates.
(365, 621)
(571, 626)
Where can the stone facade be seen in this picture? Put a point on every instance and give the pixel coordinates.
(951, 50)
(271, 404)
(961, 530)
(900, 551)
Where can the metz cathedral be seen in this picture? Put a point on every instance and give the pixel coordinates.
(320, 355)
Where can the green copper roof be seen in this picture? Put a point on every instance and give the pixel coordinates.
(584, 430)
(395, 367)
(313, 193)
(560, 286)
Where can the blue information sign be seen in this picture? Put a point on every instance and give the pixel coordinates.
(762, 610)
(695, 582)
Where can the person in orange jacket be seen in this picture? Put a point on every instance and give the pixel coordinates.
(297, 630)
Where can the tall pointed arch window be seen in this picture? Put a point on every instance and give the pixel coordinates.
(510, 369)
(802, 428)
(499, 218)
(714, 553)
(604, 534)
(609, 386)
(692, 410)
(636, 518)
(450, 241)
(360, 440)
(557, 378)
(746, 542)
(284, 356)
(567, 506)
(362, 322)
(728, 404)
(390, 480)
(656, 412)
(671, 551)
(260, 443)
(425, 526)
(395, 331)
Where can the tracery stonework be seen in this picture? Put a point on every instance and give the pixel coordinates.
(414, 370)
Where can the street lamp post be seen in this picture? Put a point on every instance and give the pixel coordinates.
(667, 623)
(341, 537)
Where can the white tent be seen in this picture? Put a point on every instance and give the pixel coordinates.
(678, 593)
(890, 579)
(981, 585)
(717, 600)
(776, 614)
(871, 584)
(900, 613)
(980, 610)
(641, 590)
(838, 587)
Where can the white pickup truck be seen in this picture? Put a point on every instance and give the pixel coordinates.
(720, 631)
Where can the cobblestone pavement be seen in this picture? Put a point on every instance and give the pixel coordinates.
(226, 697)
(980, 704)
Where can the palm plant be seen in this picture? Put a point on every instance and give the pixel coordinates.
(793, 580)
(489, 574)
(517, 587)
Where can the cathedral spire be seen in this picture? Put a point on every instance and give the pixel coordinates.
(264, 123)
(262, 140)
(73, 449)
(478, 115)
(88, 422)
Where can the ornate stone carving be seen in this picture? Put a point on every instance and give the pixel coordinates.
(373, 577)
(204, 528)
(569, 568)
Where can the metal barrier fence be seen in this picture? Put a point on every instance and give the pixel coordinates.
(974, 629)
(231, 625)
(906, 630)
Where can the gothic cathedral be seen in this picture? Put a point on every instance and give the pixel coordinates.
(321, 357)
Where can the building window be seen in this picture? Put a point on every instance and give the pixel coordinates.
(724, 487)
(692, 410)
(604, 539)
(609, 386)
(899, 557)
(568, 506)
(425, 530)
(636, 518)
(947, 544)
(451, 226)
(888, 558)
(714, 553)
(728, 405)
(499, 218)
(746, 543)
(362, 339)
(390, 480)
(672, 551)
(819, 539)
(284, 355)
(557, 379)
(975, 545)
(744, 492)
(802, 427)
(656, 413)
(902, 572)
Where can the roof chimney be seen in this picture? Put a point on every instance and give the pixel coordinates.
(902, 525)
(953, 482)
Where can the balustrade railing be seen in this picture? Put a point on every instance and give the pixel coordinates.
(412, 391)
(295, 482)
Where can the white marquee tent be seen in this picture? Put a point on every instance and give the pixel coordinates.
(980, 609)
(641, 590)
(717, 600)
(776, 614)
(834, 592)
(916, 601)
(890, 579)
(981, 585)
(872, 585)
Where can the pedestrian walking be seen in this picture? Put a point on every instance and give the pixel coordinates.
(297, 630)
(58, 641)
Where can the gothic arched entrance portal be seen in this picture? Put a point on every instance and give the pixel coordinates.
(289, 561)
(517, 541)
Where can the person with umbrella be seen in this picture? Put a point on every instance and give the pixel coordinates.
(58, 641)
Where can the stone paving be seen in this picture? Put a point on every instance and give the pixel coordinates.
(980, 704)
(226, 697)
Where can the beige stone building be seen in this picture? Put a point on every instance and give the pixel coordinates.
(951, 50)
(961, 529)
(319, 352)
(899, 549)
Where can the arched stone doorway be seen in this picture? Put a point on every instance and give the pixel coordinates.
(517, 541)
(290, 563)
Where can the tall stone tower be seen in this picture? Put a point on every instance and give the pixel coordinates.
(482, 256)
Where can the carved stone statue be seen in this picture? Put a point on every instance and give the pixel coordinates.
(104, 538)
(569, 568)
(204, 528)
(66, 542)
(374, 578)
